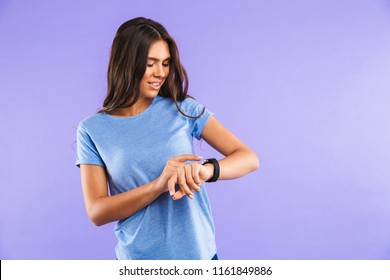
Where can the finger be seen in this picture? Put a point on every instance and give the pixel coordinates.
(195, 173)
(171, 184)
(178, 195)
(186, 157)
(189, 178)
(181, 180)
(173, 163)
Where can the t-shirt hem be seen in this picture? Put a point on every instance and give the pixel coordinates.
(78, 163)
(202, 125)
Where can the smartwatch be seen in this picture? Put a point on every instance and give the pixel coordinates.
(215, 163)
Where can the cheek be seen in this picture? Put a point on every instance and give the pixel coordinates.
(166, 70)
(148, 74)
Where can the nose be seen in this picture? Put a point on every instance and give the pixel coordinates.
(159, 72)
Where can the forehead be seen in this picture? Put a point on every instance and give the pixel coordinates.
(159, 49)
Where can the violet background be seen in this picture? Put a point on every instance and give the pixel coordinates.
(304, 83)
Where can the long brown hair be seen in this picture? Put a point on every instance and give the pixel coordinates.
(128, 61)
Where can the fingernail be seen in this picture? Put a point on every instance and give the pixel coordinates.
(191, 196)
(171, 193)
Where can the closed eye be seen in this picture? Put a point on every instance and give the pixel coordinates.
(166, 64)
(153, 60)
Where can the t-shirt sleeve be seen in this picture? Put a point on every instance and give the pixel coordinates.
(194, 108)
(86, 149)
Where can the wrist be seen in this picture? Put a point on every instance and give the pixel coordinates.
(215, 168)
(156, 187)
(210, 169)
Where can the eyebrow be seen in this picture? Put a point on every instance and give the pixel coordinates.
(156, 59)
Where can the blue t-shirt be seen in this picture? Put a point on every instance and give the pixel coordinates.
(134, 151)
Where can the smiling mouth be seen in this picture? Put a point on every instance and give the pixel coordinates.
(155, 84)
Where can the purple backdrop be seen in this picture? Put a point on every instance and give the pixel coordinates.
(304, 83)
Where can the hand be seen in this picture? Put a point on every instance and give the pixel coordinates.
(175, 168)
(189, 177)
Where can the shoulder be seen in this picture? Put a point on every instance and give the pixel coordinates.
(92, 121)
(190, 105)
(190, 102)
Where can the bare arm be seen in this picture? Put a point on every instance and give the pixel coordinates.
(102, 208)
(239, 158)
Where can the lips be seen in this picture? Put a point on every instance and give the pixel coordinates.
(155, 85)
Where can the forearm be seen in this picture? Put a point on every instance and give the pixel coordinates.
(108, 209)
(239, 159)
(237, 164)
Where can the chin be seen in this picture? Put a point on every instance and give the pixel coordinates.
(153, 94)
(149, 95)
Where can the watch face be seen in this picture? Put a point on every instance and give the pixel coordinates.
(206, 161)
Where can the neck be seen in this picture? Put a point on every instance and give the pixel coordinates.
(136, 109)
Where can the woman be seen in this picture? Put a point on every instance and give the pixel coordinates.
(136, 154)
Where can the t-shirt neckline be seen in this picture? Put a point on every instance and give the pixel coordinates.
(136, 116)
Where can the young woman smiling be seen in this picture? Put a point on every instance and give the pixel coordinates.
(136, 154)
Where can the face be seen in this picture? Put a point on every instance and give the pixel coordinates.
(157, 69)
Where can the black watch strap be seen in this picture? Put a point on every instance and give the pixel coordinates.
(215, 163)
